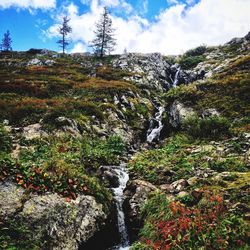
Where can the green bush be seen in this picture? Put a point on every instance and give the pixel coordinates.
(96, 152)
(211, 127)
(197, 51)
(5, 140)
(189, 62)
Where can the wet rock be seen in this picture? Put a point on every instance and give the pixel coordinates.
(110, 175)
(136, 193)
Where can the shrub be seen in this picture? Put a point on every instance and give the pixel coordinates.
(96, 152)
(209, 225)
(197, 51)
(5, 140)
(189, 62)
(211, 127)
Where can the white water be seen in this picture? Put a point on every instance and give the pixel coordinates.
(119, 198)
(176, 77)
(154, 133)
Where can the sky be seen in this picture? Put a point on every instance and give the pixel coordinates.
(167, 26)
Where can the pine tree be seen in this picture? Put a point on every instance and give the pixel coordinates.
(64, 30)
(6, 42)
(104, 41)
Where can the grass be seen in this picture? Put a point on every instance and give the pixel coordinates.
(176, 155)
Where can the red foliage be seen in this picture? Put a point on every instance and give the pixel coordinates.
(176, 231)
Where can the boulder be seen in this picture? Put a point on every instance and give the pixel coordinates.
(179, 185)
(178, 113)
(11, 197)
(65, 224)
(136, 193)
(35, 62)
(33, 131)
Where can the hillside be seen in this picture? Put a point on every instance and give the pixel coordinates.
(180, 124)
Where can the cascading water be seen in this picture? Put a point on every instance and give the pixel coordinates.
(154, 132)
(176, 78)
(119, 198)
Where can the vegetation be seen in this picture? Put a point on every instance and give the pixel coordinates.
(64, 165)
(210, 127)
(208, 225)
(193, 57)
(6, 42)
(104, 41)
(182, 155)
(64, 30)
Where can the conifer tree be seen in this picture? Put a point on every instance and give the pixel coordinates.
(104, 41)
(6, 42)
(64, 30)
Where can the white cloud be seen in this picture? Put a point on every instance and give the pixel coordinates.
(175, 29)
(34, 4)
(79, 48)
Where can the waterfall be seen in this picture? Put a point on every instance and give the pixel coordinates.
(175, 82)
(154, 132)
(119, 199)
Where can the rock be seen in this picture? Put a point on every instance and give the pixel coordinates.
(35, 62)
(64, 224)
(210, 112)
(109, 174)
(136, 193)
(49, 62)
(179, 185)
(67, 125)
(33, 131)
(166, 188)
(151, 70)
(193, 181)
(182, 194)
(241, 207)
(11, 197)
(197, 194)
(179, 113)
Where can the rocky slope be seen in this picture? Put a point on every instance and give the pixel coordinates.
(64, 118)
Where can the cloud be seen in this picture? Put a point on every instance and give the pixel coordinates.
(29, 4)
(79, 48)
(174, 30)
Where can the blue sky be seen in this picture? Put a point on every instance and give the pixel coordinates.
(166, 26)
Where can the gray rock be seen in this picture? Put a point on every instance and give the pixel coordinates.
(179, 113)
(33, 131)
(65, 223)
(50, 216)
(179, 185)
(10, 199)
(35, 62)
(136, 195)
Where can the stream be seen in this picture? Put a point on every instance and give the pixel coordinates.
(119, 199)
(155, 126)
